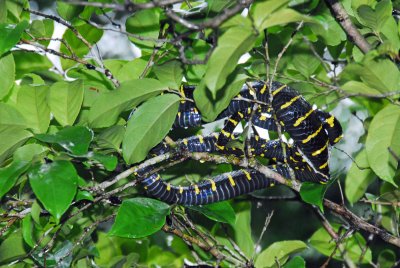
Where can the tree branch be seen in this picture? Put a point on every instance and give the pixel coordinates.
(341, 16)
(359, 223)
(353, 219)
(214, 22)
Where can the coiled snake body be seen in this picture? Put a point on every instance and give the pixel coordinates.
(313, 132)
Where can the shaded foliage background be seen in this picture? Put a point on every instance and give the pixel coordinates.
(69, 147)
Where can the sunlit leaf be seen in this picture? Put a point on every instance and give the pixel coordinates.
(313, 193)
(7, 69)
(231, 45)
(169, 73)
(221, 212)
(211, 109)
(10, 139)
(352, 246)
(282, 17)
(139, 217)
(74, 139)
(32, 104)
(109, 105)
(9, 175)
(144, 23)
(65, 100)
(108, 161)
(378, 146)
(12, 248)
(242, 229)
(262, 10)
(111, 137)
(279, 252)
(27, 230)
(54, 184)
(149, 124)
(357, 180)
(296, 262)
(10, 35)
(67, 11)
(11, 117)
(27, 62)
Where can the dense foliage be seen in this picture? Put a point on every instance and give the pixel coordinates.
(70, 143)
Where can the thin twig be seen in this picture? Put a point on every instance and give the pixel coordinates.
(214, 22)
(264, 229)
(211, 249)
(63, 22)
(128, 6)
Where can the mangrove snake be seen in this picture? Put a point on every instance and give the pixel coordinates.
(312, 130)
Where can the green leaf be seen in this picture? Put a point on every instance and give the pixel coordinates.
(221, 212)
(109, 105)
(231, 46)
(68, 12)
(242, 229)
(306, 64)
(169, 73)
(10, 35)
(10, 139)
(145, 23)
(108, 161)
(355, 87)
(147, 127)
(32, 79)
(42, 28)
(90, 33)
(282, 17)
(95, 82)
(74, 139)
(262, 10)
(9, 175)
(27, 230)
(375, 19)
(65, 101)
(12, 247)
(279, 251)
(296, 262)
(328, 29)
(383, 11)
(139, 217)
(83, 195)
(383, 75)
(36, 209)
(3, 11)
(217, 6)
(128, 70)
(209, 108)
(386, 259)
(15, 11)
(313, 193)
(111, 137)
(357, 180)
(384, 133)
(390, 32)
(351, 247)
(55, 185)
(7, 70)
(32, 104)
(28, 152)
(9, 116)
(28, 62)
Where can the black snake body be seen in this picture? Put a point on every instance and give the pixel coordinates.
(313, 131)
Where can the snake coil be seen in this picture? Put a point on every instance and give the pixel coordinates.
(313, 132)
